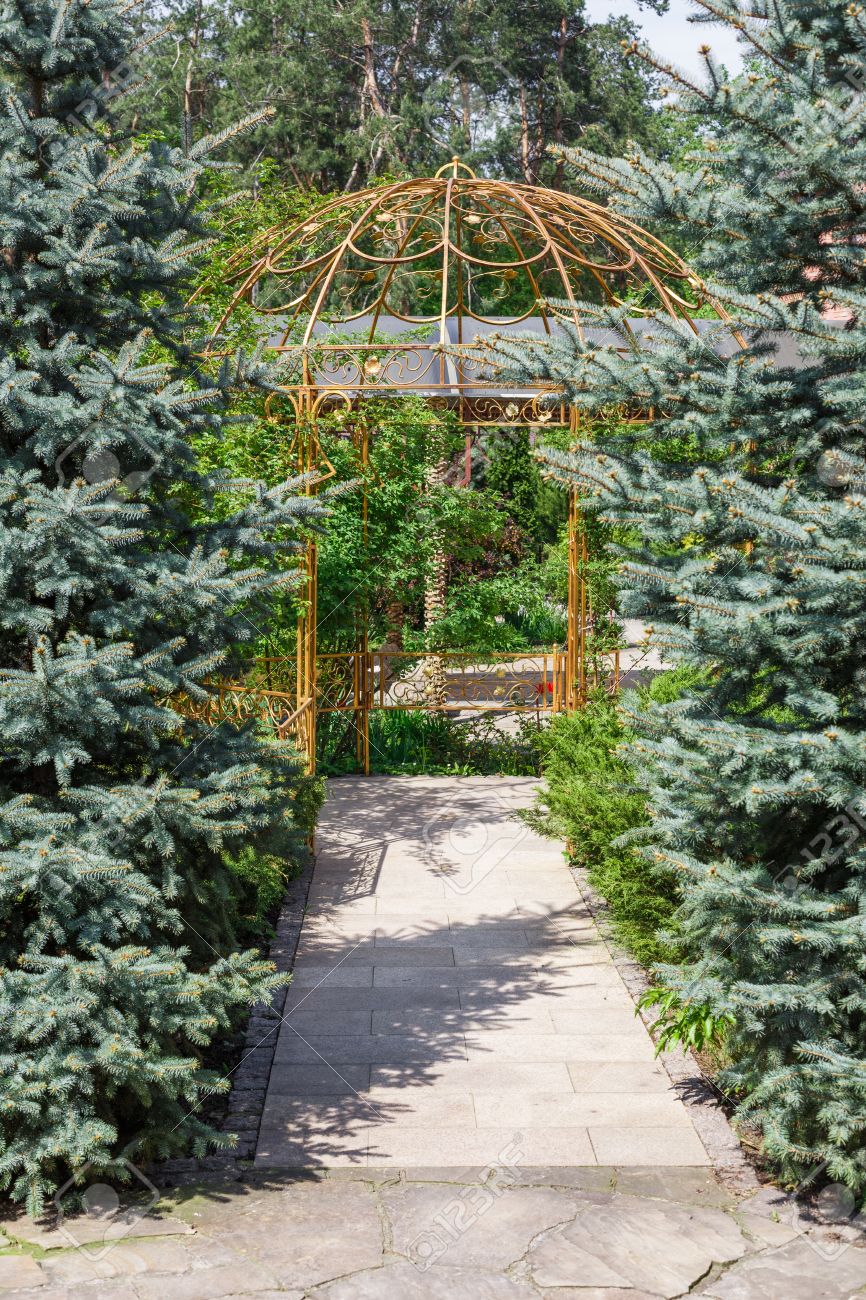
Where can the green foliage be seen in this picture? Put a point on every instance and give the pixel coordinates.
(364, 87)
(384, 561)
(264, 878)
(513, 475)
(503, 612)
(264, 875)
(239, 216)
(416, 743)
(684, 1023)
(590, 800)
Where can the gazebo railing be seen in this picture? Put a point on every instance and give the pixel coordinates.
(361, 682)
(237, 702)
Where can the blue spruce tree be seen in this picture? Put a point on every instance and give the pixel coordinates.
(117, 816)
(750, 510)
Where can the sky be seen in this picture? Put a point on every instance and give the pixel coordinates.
(671, 35)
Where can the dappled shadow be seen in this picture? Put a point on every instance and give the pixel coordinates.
(385, 1016)
(391, 988)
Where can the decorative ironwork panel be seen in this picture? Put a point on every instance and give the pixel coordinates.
(394, 289)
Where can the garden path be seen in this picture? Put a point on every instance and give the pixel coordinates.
(462, 1107)
(453, 1002)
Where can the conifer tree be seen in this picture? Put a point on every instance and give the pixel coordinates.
(749, 562)
(117, 965)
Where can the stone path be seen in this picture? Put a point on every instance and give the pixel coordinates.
(505, 1233)
(462, 1107)
(452, 999)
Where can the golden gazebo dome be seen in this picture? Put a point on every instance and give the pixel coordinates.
(388, 290)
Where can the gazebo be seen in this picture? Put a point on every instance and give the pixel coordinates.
(393, 290)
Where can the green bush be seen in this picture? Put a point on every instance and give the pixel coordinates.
(261, 876)
(590, 801)
(681, 1022)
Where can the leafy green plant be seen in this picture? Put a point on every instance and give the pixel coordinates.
(262, 875)
(694, 1026)
(590, 801)
(508, 611)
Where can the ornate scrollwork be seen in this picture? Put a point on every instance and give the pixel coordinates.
(237, 703)
(446, 253)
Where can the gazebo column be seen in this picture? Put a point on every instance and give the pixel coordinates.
(308, 462)
(435, 678)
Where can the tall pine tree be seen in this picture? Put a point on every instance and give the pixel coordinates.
(365, 87)
(117, 964)
(750, 562)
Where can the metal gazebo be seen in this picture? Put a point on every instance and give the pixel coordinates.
(392, 291)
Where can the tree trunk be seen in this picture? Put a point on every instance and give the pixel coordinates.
(524, 136)
(188, 88)
(561, 42)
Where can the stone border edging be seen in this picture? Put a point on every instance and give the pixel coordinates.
(250, 1077)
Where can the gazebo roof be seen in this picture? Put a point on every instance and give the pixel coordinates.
(386, 291)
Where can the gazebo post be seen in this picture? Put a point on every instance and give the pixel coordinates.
(574, 644)
(305, 673)
(575, 653)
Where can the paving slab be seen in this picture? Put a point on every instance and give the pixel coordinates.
(316, 975)
(447, 951)
(661, 1248)
(801, 1270)
(601, 1293)
(367, 997)
(505, 1044)
(624, 1076)
(311, 1232)
(488, 1229)
(567, 1109)
(209, 1283)
(128, 1258)
(85, 1291)
(402, 1281)
(630, 1144)
(478, 1077)
(20, 1272)
(324, 1078)
(408, 1147)
(414, 1021)
(83, 1230)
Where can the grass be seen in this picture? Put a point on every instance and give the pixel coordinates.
(410, 742)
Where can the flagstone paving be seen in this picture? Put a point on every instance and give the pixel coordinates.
(452, 998)
(500, 1233)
